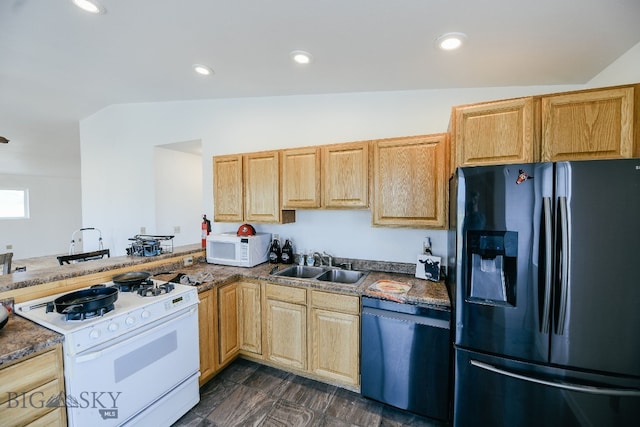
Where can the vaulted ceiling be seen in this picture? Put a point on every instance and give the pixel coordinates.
(59, 64)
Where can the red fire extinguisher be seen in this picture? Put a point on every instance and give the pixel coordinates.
(206, 229)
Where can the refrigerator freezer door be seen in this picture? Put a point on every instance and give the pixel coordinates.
(499, 261)
(596, 316)
(493, 391)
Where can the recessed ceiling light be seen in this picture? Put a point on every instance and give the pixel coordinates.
(301, 57)
(451, 41)
(202, 69)
(91, 6)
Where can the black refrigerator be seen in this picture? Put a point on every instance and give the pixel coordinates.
(544, 270)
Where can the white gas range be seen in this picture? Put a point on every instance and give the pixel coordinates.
(132, 359)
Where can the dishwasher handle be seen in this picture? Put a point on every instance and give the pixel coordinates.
(409, 318)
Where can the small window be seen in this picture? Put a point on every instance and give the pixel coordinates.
(14, 203)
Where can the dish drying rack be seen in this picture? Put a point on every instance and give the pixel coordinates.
(150, 245)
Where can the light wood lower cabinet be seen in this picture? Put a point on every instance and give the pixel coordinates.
(208, 330)
(304, 330)
(228, 332)
(36, 379)
(335, 337)
(286, 326)
(250, 317)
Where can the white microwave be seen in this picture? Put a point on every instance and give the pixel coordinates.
(238, 251)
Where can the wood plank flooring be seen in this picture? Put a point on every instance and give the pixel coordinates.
(250, 394)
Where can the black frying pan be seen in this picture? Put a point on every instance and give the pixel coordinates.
(131, 278)
(85, 300)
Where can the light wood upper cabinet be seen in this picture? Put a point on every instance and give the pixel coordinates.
(327, 176)
(228, 332)
(588, 125)
(207, 327)
(301, 178)
(247, 188)
(262, 187)
(335, 337)
(250, 317)
(493, 133)
(345, 175)
(410, 181)
(228, 193)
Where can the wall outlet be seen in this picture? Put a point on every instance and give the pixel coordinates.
(188, 260)
(176, 229)
(9, 247)
(143, 230)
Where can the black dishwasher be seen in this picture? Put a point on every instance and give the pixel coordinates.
(405, 356)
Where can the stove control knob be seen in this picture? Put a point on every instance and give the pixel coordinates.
(145, 314)
(130, 320)
(113, 326)
(94, 334)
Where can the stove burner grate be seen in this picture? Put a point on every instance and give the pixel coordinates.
(153, 291)
(134, 286)
(84, 315)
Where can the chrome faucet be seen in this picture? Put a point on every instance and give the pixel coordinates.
(322, 258)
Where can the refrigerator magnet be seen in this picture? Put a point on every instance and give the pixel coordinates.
(428, 267)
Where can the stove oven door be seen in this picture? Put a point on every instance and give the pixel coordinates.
(128, 379)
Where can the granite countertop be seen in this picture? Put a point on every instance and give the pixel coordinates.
(21, 337)
(421, 292)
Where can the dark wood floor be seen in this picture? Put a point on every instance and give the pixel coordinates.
(250, 394)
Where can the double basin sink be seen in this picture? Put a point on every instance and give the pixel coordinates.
(323, 274)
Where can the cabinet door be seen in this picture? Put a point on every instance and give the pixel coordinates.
(286, 333)
(493, 133)
(249, 305)
(410, 181)
(262, 187)
(345, 175)
(588, 125)
(335, 337)
(301, 178)
(228, 338)
(227, 188)
(207, 326)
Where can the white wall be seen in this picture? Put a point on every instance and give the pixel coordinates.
(50, 170)
(624, 70)
(178, 195)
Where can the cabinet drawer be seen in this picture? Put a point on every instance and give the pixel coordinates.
(335, 302)
(31, 373)
(57, 417)
(286, 293)
(31, 406)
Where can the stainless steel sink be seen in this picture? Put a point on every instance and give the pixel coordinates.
(340, 276)
(301, 271)
(324, 274)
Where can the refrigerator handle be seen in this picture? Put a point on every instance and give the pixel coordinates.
(548, 263)
(629, 392)
(564, 264)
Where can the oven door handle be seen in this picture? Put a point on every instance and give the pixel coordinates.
(134, 336)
